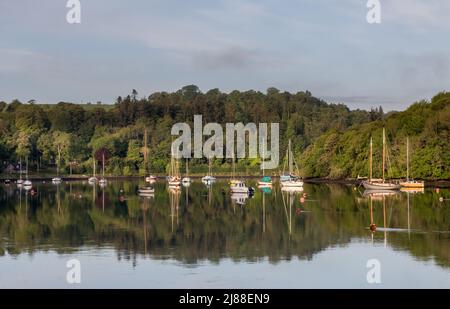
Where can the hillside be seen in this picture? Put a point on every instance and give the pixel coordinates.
(344, 153)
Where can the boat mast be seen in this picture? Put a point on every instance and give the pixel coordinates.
(59, 160)
(145, 152)
(371, 159)
(384, 151)
(290, 158)
(407, 159)
(209, 166)
(103, 157)
(94, 165)
(27, 169)
(20, 164)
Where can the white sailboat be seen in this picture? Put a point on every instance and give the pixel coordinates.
(174, 179)
(410, 183)
(209, 179)
(147, 191)
(27, 183)
(379, 184)
(57, 180)
(93, 179)
(150, 178)
(290, 180)
(20, 180)
(103, 182)
(186, 179)
(265, 181)
(233, 179)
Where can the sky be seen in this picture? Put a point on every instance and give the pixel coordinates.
(324, 46)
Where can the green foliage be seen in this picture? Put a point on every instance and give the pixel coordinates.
(346, 153)
(329, 139)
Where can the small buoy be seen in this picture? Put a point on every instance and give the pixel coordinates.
(441, 199)
(438, 190)
(302, 200)
(298, 211)
(305, 194)
(373, 227)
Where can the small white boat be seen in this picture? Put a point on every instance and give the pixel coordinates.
(19, 181)
(150, 179)
(92, 180)
(186, 181)
(240, 187)
(7, 181)
(103, 182)
(56, 180)
(209, 179)
(174, 181)
(27, 183)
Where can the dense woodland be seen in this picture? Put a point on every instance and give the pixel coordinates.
(329, 139)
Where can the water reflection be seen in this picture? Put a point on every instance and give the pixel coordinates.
(201, 222)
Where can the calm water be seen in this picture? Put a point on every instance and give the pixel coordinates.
(204, 238)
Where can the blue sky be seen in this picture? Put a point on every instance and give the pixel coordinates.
(324, 46)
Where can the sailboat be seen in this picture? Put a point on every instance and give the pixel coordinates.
(410, 183)
(233, 179)
(147, 191)
(27, 183)
(20, 180)
(57, 179)
(150, 178)
(265, 181)
(174, 178)
(290, 180)
(103, 181)
(186, 179)
(93, 179)
(209, 179)
(379, 184)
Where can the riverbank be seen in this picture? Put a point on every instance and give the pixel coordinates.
(441, 183)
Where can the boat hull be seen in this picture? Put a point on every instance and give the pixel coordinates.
(380, 185)
(292, 184)
(414, 185)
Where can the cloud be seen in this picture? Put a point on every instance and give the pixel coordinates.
(422, 15)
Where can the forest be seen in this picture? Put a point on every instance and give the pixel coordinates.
(329, 140)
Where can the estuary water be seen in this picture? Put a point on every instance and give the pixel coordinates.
(327, 236)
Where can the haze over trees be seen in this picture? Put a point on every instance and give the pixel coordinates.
(329, 139)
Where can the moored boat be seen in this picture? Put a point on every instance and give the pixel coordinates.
(410, 183)
(289, 179)
(379, 184)
(240, 187)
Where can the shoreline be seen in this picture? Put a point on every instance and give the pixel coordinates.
(442, 183)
